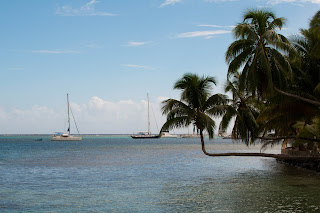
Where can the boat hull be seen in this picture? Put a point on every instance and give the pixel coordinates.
(171, 136)
(144, 136)
(64, 138)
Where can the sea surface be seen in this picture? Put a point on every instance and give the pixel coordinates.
(120, 174)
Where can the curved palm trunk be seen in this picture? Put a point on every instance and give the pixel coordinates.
(288, 137)
(276, 156)
(202, 143)
(239, 154)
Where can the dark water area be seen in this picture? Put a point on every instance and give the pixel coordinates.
(119, 174)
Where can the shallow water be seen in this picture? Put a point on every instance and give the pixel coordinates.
(119, 174)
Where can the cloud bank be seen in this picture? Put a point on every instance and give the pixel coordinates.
(206, 34)
(96, 116)
(135, 43)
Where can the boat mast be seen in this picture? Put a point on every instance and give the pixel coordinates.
(68, 113)
(148, 116)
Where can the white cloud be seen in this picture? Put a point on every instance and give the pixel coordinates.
(85, 10)
(138, 66)
(273, 2)
(169, 2)
(135, 43)
(205, 34)
(95, 116)
(55, 51)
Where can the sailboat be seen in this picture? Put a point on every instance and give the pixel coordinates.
(146, 135)
(66, 136)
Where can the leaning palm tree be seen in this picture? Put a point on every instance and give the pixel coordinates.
(196, 106)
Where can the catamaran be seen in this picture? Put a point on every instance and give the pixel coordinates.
(66, 136)
(146, 135)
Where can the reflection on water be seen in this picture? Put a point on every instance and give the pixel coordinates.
(118, 174)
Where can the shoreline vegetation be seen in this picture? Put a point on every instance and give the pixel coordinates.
(274, 83)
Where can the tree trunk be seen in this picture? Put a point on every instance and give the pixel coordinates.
(288, 137)
(243, 154)
(276, 156)
(202, 143)
(240, 154)
(316, 103)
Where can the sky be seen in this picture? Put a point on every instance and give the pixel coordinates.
(108, 54)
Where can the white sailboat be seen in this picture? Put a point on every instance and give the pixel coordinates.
(146, 135)
(66, 136)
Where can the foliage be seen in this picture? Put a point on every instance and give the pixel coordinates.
(243, 110)
(196, 106)
(269, 61)
(274, 82)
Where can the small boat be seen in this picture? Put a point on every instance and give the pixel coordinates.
(166, 134)
(39, 139)
(66, 136)
(144, 135)
(147, 134)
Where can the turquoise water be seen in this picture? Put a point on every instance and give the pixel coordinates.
(119, 174)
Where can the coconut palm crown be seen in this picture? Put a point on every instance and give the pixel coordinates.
(258, 52)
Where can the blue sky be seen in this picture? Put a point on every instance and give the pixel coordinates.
(108, 54)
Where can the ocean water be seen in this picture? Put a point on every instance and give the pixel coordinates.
(120, 174)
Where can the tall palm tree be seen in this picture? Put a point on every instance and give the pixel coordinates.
(314, 33)
(258, 51)
(266, 59)
(265, 55)
(196, 106)
(308, 47)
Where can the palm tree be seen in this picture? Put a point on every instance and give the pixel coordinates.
(196, 106)
(258, 51)
(308, 47)
(242, 108)
(306, 73)
(313, 33)
(266, 59)
(298, 105)
(282, 112)
(265, 55)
